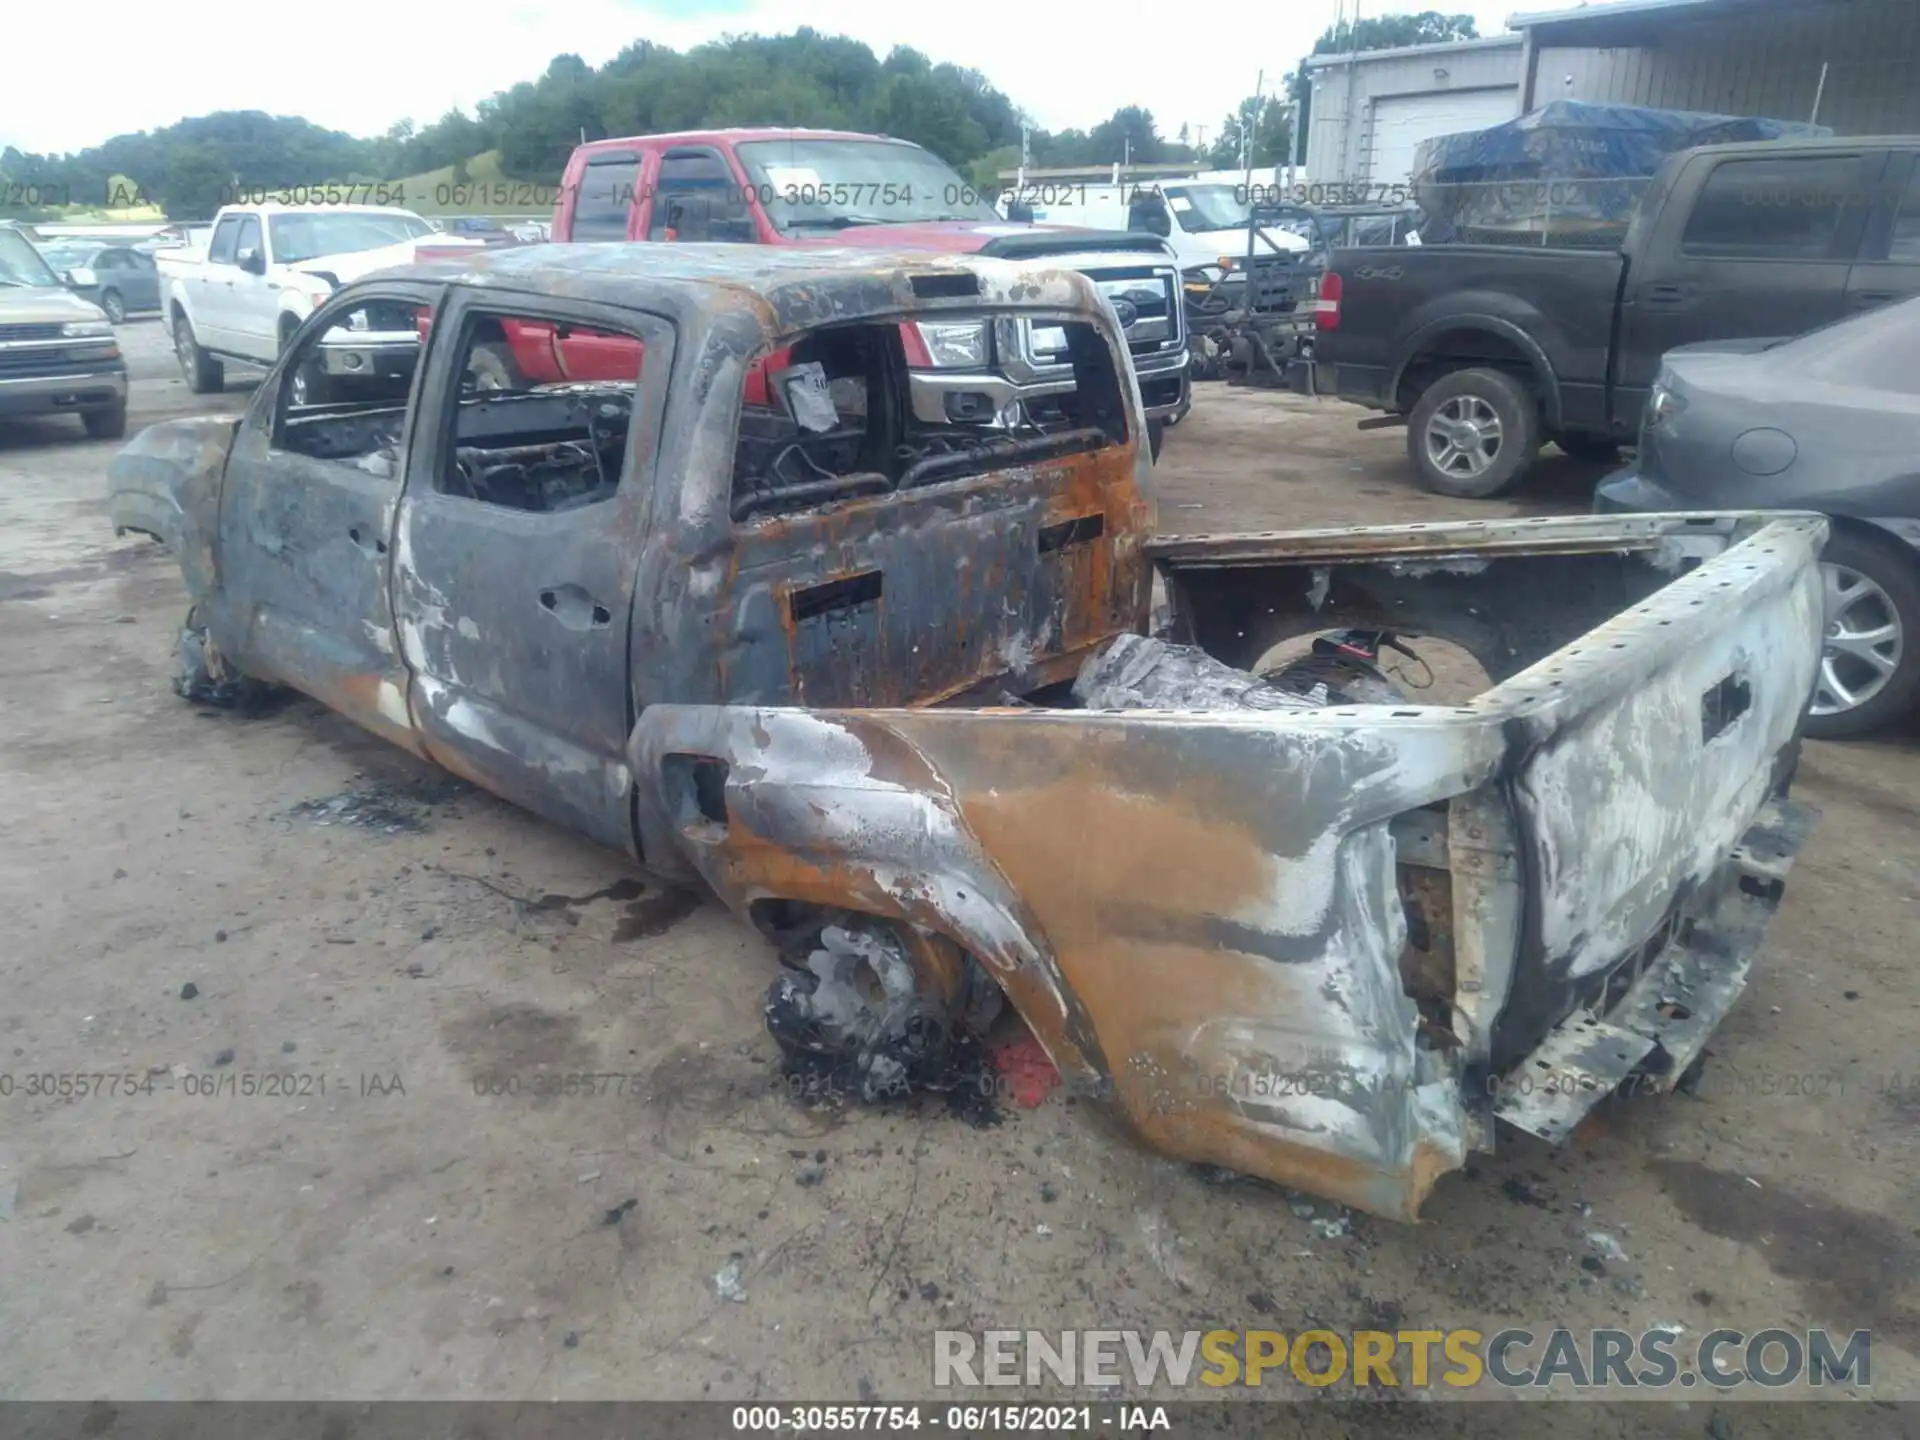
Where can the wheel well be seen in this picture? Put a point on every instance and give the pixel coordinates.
(1464, 350)
(1866, 530)
(289, 323)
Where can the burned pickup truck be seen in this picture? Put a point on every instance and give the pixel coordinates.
(889, 687)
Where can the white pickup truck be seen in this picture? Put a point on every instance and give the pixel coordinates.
(266, 268)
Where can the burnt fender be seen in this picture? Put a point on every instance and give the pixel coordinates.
(178, 466)
(1197, 915)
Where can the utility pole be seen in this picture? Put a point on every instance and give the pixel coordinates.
(1249, 125)
(1026, 150)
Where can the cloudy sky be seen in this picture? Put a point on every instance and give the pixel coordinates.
(359, 65)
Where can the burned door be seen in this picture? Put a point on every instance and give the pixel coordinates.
(516, 547)
(306, 520)
(875, 558)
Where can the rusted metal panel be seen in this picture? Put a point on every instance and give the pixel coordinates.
(1205, 917)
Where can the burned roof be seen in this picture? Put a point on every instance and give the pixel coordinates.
(800, 287)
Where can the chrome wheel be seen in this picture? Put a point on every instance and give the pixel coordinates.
(297, 391)
(183, 344)
(1864, 641)
(1463, 436)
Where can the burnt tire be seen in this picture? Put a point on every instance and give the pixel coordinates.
(1473, 433)
(202, 676)
(105, 424)
(854, 1014)
(205, 375)
(1877, 584)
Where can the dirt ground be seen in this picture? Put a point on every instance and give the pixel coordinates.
(342, 915)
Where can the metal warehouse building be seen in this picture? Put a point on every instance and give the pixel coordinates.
(1371, 110)
(1853, 65)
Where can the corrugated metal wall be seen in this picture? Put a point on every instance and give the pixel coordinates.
(1766, 64)
(1339, 135)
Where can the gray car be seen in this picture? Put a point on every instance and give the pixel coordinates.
(119, 279)
(1829, 421)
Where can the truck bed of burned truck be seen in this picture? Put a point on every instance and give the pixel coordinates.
(1329, 944)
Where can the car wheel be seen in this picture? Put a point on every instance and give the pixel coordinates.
(202, 675)
(308, 387)
(1473, 433)
(1592, 449)
(1869, 659)
(205, 375)
(105, 424)
(115, 307)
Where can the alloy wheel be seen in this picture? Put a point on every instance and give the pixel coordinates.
(1463, 436)
(1863, 644)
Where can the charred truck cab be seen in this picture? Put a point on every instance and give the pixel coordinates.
(725, 600)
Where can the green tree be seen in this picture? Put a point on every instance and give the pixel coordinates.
(1271, 131)
(195, 181)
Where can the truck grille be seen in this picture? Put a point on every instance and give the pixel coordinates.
(47, 358)
(29, 332)
(1147, 299)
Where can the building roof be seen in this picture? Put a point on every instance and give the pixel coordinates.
(1439, 47)
(1631, 22)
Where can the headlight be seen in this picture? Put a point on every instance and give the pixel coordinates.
(87, 330)
(955, 347)
(1662, 405)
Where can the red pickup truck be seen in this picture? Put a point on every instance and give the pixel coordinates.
(834, 188)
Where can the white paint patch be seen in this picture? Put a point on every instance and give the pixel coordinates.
(391, 701)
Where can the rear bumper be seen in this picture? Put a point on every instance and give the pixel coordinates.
(1662, 1022)
(97, 386)
(944, 397)
(365, 356)
(1356, 384)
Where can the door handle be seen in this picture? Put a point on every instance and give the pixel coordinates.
(575, 608)
(1666, 294)
(367, 540)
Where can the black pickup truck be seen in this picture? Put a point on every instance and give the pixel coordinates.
(1489, 351)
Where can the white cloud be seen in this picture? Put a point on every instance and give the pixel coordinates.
(359, 65)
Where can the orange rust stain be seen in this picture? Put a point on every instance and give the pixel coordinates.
(357, 697)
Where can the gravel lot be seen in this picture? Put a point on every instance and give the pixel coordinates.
(351, 918)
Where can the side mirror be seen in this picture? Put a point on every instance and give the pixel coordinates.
(251, 261)
(1019, 212)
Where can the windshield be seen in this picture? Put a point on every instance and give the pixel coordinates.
(834, 184)
(67, 257)
(1208, 207)
(20, 263)
(308, 237)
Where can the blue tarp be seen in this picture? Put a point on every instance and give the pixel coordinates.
(1586, 165)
